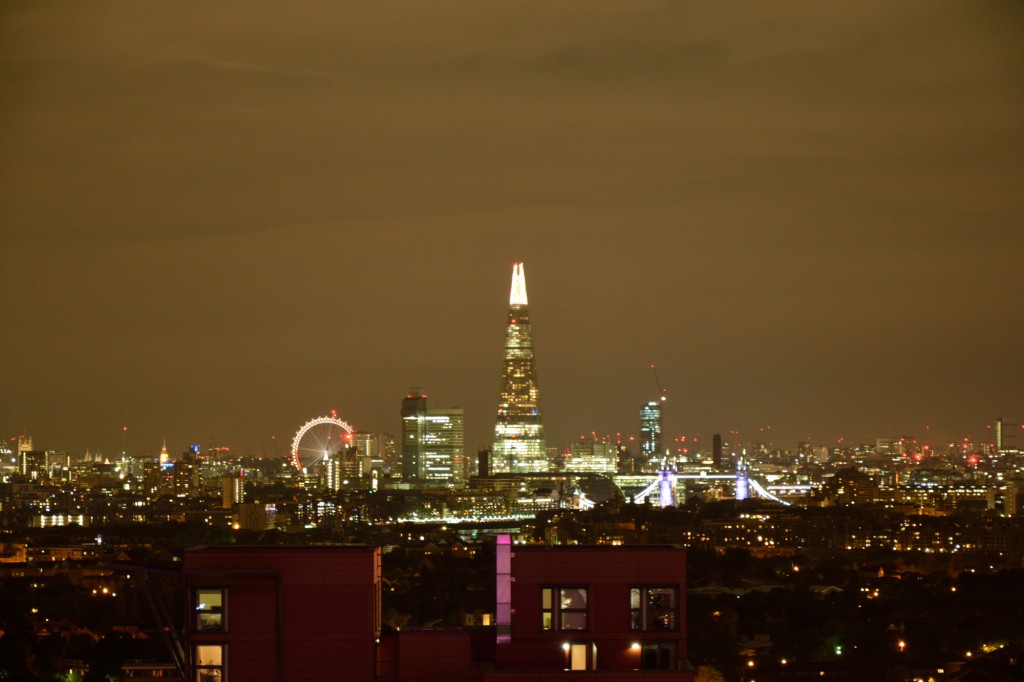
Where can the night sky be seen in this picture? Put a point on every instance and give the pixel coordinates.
(219, 220)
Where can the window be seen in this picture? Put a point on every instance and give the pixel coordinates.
(209, 663)
(653, 608)
(209, 604)
(564, 608)
(658, 656)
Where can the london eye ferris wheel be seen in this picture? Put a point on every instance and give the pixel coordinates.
(319, 439)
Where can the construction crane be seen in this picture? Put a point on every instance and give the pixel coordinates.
(661, 391)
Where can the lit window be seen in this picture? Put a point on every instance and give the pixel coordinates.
(564, 608)
(209, 663)
(653, 608)
(209, 608)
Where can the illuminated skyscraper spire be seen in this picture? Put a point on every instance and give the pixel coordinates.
(518, 294)
(518, 433)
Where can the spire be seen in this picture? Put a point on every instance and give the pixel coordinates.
(519, 445)
(518, 294)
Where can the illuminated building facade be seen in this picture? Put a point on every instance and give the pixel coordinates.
(518, 432)
(443, 459)
(650, 431)
(592, 456)
(432, 442)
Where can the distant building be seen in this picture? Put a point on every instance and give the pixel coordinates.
(255, 516)
(651, 448)
(483, 462)
(232, 491)
(443, 457)
(519, 445)
(369, 452)
(592, 456)
(433, 448)
(1012, 498)
(414, 414)
(716, 451)
(851, 486)
(1006, 437)
(186, 476)
(32, 464)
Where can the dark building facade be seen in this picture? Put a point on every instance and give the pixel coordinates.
(282, 614)
(612, 611)
(414, 423)
(291, 614)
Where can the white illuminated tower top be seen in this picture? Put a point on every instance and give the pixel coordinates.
(517, 296)
(519, 445)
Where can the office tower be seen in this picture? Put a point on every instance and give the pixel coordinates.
(432, 442)
(889, 448)
(716, 451)
(518, 432)
(337, 469)
(368, 454)
(592, 456)
(165, 456)
(414, 413)
(1006, 440)
(650, 431)
(442, 459)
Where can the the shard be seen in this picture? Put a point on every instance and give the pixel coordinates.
(519, 432)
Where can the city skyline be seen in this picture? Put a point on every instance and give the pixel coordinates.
(807, 217)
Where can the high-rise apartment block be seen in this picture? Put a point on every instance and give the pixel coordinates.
(232, 491)
(519, 432)
(432, 442)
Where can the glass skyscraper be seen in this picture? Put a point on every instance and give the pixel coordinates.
(650, 432)
(432, 442)
(518, 433)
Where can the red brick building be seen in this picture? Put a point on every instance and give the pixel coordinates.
(282, 614)
(286, 614)
(618, 612)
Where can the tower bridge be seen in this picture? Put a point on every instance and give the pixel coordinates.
(663, 485)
